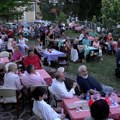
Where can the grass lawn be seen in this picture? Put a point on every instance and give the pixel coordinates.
(103, 71)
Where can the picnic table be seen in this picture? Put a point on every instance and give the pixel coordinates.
(81, 115)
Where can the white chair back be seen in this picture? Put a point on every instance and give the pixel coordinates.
(2, 66)
(74, 55)
(8, 95)
(4, 54)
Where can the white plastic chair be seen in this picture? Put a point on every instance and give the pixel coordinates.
(4, 54)
(9, 96)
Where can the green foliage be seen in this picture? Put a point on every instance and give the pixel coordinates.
(94, 20)
(84, 9)
(12, 9)
(61, 17)
(45, 8)
(110, 12)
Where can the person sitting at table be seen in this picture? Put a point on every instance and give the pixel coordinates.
(22, 43)
(67, 46)
(43, 110)
(38, 47)
(17, 55)
(32, 78)
(96, 44)
(86, 41)
(58, 87)
(99, 110)
(33, 59)
(11, 79)
(88, 83)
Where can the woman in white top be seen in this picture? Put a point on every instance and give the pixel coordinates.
(11, 79)
(22, 43)
(43, 110)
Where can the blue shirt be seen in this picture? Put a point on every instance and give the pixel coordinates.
(88, 83)
(86, 41)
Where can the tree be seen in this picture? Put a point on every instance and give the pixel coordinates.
(12, 9)
(94, 20)
(110, 13)
(84, 9)
(61, 17)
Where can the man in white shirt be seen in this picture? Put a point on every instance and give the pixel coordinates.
(11, 79)
(43, 110)
(59, 89)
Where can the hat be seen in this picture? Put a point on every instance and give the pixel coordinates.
(61, 69)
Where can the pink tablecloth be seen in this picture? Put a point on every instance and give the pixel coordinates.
(114, 111)
(4, 60)
(45, 76)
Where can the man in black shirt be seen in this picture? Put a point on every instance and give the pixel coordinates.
(88, 83)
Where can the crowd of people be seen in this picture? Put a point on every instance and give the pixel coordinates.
(29, 60)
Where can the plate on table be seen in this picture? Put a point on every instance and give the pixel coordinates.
(83, 105)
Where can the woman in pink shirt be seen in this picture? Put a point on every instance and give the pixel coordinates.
(96, 44)
(17, 55)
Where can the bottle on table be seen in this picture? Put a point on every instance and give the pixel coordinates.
(88, 96)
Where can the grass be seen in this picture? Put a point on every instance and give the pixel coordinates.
(103, 71)
(72, 34)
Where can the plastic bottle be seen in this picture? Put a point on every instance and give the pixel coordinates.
(87, 96)
(95, 94)
(113, 99)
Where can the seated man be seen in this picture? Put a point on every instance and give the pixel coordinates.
(11, 79)
(43, 110)
(59, 89)
(88, 83)
(32, 78)
(33, 59)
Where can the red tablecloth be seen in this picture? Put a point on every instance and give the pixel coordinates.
(4, 60)
(114, 111)
(45, 76)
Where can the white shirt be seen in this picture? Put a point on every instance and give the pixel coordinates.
(12, 80)
(60, 91)
(45, 111)
(81, 37)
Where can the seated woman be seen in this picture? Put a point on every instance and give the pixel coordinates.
(22, 43)
(99, 110)
(96, 44)
(67, 46)
(51, 41)
(17, 55)
(43, 110)
(38, 47)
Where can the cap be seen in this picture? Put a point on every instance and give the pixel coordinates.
(61, 69)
